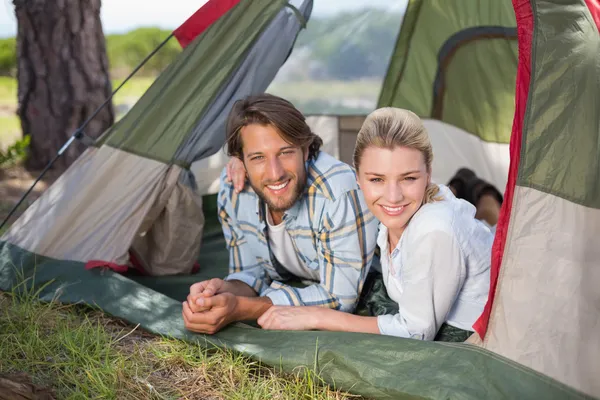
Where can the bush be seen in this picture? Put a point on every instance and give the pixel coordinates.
(126, 51)
(8, 57)
(15, 152)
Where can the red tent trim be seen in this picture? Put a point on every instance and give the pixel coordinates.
(525, 26)
(202, 19)
(594, 6)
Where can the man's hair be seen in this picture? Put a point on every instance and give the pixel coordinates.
(266, 109)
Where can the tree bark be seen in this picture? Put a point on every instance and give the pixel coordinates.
(62, 72)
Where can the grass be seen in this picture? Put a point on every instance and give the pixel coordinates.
(10, 130)
(8, 91)
(80, 354)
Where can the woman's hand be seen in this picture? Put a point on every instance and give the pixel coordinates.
(292, 318)
(236, 173)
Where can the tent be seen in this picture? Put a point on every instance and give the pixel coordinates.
(538, 335)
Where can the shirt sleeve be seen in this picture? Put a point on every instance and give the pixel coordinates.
(243, 262)
(345, 245)
(431, 278)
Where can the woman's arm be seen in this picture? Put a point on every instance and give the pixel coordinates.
(301, 318)
(431, 276)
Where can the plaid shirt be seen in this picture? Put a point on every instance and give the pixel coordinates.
(331, 228)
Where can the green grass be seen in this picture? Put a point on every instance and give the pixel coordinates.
(8, 91)
(132, 90)
(10, 130)
(80, 353)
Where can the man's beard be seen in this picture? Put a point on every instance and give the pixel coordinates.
(298, 190)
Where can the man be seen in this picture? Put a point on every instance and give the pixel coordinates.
(303, 216)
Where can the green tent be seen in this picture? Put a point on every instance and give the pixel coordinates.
(455, 64)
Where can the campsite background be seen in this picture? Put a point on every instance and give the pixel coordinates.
(331, 70)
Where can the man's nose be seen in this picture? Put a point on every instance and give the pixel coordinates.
(275, 171)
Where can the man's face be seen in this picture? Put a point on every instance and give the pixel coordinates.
(275, 168)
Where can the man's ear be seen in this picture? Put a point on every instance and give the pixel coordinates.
(305, 153)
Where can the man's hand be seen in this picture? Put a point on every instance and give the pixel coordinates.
(292, 318)
(221, 312)
(236, 173)
(201, 290)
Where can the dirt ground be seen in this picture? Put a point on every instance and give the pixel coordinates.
(14, 182)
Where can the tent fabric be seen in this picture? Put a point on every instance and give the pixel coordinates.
(171, 243)
(474, 40)
(164, 116)
(454, 148)
(544, 307)
(375, 366)
(252, 77)
(208, 14)
(94, 210)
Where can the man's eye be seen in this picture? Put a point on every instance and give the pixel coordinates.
(256, 158)
(375, 180)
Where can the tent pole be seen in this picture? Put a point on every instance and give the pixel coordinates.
(79, 134)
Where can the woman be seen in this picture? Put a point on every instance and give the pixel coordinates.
(435, 255)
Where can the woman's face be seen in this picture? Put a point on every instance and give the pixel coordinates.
(393, 183)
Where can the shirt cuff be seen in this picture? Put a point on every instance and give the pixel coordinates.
(279, 298)
(248, 279)
(388, 325)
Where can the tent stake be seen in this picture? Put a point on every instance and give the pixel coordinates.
(78, 134)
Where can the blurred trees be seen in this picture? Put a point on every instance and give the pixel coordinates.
(346, 46)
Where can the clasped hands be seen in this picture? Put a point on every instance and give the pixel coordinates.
(210, 307)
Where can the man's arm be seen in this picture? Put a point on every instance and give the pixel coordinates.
(243, 264)
(346, 243)
(215, 303)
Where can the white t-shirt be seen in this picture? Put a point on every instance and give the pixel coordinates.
(439, 271)
(284, 251)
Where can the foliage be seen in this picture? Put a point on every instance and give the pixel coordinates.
(8, 56)
(15, 153)
(127, 50)
(352, 45)
(349, 45)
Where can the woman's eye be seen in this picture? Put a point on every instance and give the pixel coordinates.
(411, 178)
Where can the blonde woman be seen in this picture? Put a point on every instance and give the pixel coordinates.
(435, 255)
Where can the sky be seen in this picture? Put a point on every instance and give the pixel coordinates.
(123, 15)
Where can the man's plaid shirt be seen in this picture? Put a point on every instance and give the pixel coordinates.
(331, 227)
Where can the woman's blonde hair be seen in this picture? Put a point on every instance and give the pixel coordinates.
(391, 127)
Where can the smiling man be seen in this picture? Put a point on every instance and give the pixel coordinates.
(302, 217)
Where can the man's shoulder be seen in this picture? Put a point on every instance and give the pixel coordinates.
(330, 178)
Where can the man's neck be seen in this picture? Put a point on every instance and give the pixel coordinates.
(277, 216)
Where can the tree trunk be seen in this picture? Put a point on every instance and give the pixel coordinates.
(62, 72)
